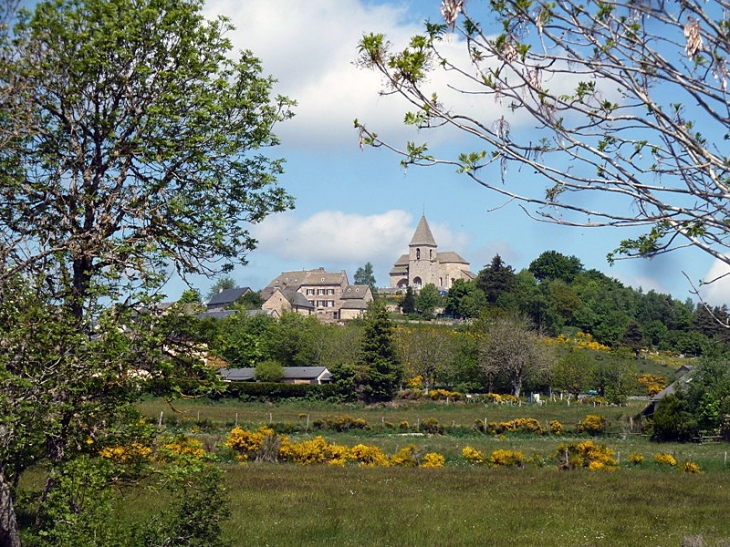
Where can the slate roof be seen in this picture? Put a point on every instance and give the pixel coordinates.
(297, 299)
(451, 256)
(227, 297)
(294, 280)
(423, 235)
(355, 292)
(289, 373)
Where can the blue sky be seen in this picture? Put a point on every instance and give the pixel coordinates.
(355, 206)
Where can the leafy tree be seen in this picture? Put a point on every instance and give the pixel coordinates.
(190, 296)
(511, 346)
(552, 265)
(269, 371)
(252, 300)
(426, 351)
(365, 276)
(428, 300)
(496, 279)
(408, 305)
(626, 97)
(383, 372)
(132, 143)
(464, 299)
(633, 338)
(573, 373)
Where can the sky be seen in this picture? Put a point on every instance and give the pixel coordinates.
(355, 205)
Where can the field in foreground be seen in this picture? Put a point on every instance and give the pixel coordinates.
(463, 505)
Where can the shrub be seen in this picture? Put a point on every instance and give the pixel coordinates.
(472, 455)
(341, 423)
(431, 426)
(691, 467)
(179, 446)
(405, 457)
(592, 424)
(506, 458)
(586, 454)
(556, 428)
(369, 456)
(665, 459)
(636, 459)
(313, 451)
(432, 460)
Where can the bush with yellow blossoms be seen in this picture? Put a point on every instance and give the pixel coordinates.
(592, 424)
(636, 458)
(588, 455)
(506, 458)
(665, 459)
(369, 456)
(472, 455)
(433, 460)
(126, 454)
(405, 457)
(691, 467)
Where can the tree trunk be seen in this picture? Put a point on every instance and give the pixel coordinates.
(9, 536)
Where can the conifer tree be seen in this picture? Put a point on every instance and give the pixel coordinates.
(383, 372)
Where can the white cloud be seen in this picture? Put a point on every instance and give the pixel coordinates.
(717, 291)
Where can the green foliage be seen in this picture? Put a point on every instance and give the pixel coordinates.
(496, 279)
(365, 276)
(554, 265)
(383, 372)
(221, 284)
(408, 305)
(428, 300)
(464, 299)
(269, 371)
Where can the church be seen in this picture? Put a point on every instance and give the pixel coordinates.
(424, 263)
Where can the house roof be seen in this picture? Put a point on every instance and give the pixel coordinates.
(297, 299)
(353, 292)
(227, 296)
(216, 314)
(423, 235)
(289, 373)
(294, 280)
(305, 373)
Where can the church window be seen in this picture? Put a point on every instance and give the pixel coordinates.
(418, 254)
(430, 254)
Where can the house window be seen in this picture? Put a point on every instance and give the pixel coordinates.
(320, 303)
(330, 291)
(310, 291)
(330, 303)
(321, 291)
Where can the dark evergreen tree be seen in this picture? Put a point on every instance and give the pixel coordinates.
(382, 370)
(408, 306)
(496, 279)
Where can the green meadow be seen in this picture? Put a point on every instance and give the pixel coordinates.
(459, 504)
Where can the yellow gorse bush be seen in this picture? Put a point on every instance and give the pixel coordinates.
(179, 446)
(130, 453)
(506, 458)
(405, 457)
(636, 459)
(369, 456)
(691, 467)
(246, 444)
(432, 460)
(472, 455)
(586, 454)
(592, 424)
(665, 459)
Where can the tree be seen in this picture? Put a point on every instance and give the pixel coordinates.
(382, 369)
(426, 351)
(623, 100)
(464, 299)
(510, 345)
(496, 279)
(408, 306)
(428, 300)
(552, 265)
(269, 371)
(365, 276)
(132, 145)
(573, 373)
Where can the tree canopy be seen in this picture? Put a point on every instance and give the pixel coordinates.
(627, 100)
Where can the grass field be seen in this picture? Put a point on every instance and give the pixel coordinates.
(460, 504)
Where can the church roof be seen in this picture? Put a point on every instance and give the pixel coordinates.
(423, 235)
(451, 256)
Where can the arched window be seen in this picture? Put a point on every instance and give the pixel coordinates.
(430, 254)
(418, 254)
(417, 282)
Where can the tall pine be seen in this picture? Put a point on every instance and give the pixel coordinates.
(383, 372)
